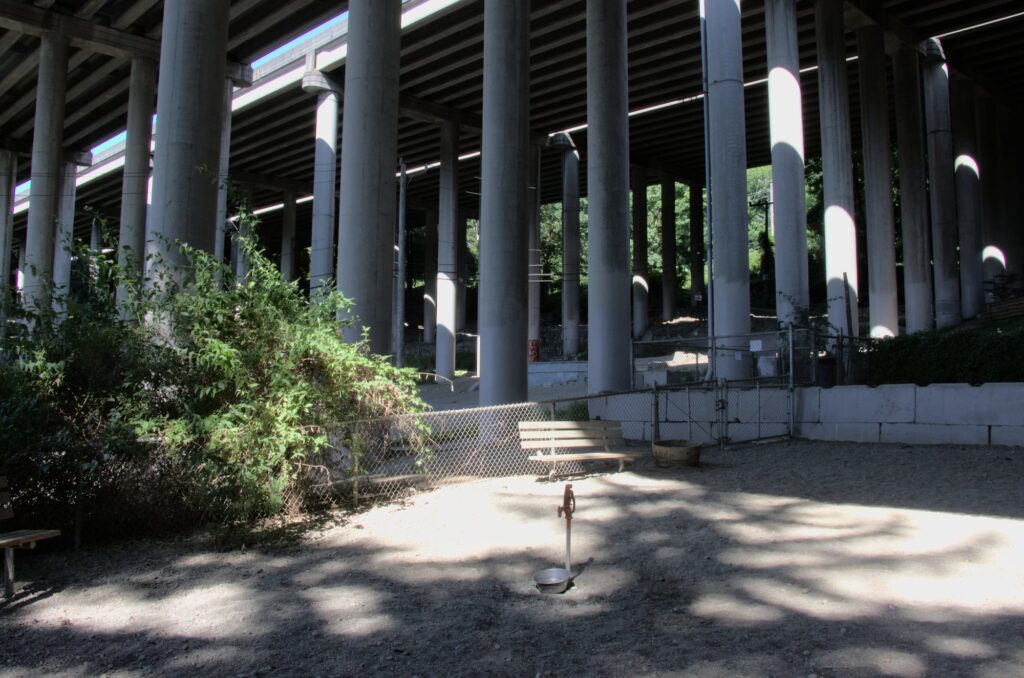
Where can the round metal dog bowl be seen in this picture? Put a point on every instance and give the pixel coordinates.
(553, 580)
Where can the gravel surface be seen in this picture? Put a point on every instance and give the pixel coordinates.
(788, 559)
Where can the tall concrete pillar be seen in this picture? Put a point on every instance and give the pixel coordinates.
(325, 159)
(640, 286)
(967, 176)
(447, 252)
(728, 190)
(134, 187)
(668, 248)
(609, 347)
(430, 277)
(786, 117)
(837, 169)
(533, 337)
(570, 252)
(224, 186)
(460, 295)
(64, 238)
(883, 302)
(19, 279)
(1008, 188)
(190, 114)
(47, 142)
(8, 179)
(504, 204)
(917, 274)
(239, 259)
(941, 183)
(288, 236)
(698, 291)
(993, 246)
(366, 205)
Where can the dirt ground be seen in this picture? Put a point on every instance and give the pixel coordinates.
(788, 559)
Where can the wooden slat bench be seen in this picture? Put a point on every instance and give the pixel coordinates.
(585, 441)
(17, 539)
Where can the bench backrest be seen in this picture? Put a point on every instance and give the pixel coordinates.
(558, 435)
(6, 512)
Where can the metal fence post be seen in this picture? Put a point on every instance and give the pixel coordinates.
(689, 417)
(757, 394)
(792, 383)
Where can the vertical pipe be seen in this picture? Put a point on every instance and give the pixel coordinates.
(447, 251)
(917, 275)
(570, 252)
(463, 273)
(942, 186)
(785, 113)
(668, 249)
(366, 202)
(504, 207)
(47, 142)
(533, 333)
(398, 336)
(837, 169)
(696, 205)
(640, 287)
(223, 175)
(609, 362)
(883, 304)
(728, 189)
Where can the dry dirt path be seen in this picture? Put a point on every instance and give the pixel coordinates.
(790, 559)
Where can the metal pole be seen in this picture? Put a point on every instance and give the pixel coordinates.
(792, 379)
(399, 336)
(709, 242)
(655, 428)
(689, 416)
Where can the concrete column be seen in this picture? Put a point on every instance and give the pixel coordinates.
(64, 239)
(288, 236)
(134, 187)
(224, 187)
(8, 168)
(1007, 190)
(917, 275)
(942, 191)
(47, 142)
(786, 117)
(608, 337)
(668, 248)
(460, 297)
(641, 285)
(883, 302)
(190, 114)
(504, 204)
(967, 175)
(430, 277)
(19, 280)
(728, 191)
(366, 205)
(993, 245)
(447, 253)
(837, 169)
(239, 259)
(533, 336)
(321, 253)
(570, 252)
(698, 291)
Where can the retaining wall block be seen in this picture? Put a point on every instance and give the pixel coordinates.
(988, 404)
(1008, 435)
(934, 434)
(892, 404)
(847, 432)
(807, 404)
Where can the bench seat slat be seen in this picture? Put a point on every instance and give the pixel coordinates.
(20, 537)
(572, 444)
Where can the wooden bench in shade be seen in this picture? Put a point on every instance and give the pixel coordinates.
(17, 539)
(566, 441)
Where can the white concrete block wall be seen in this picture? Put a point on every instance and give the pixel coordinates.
(864, 404)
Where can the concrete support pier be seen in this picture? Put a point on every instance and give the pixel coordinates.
(993, 244)
(366, 204)
(668, 249)
(698, 289)
(917, 275)
(786, 118)
(64, 238)
(941, 183)
(430, 252)
(460, 305)
(967, 175)
(504, 203)
(287, 263)
(47, 143)
(837, 169)
(533, 334)
(222, 227)
(322, 260)
(608, 338)
(641, 284)
(570, 251)
(447, 253)
(8, 179)
(135, 185)
(883, 304)
(190, 111)
(728, 191)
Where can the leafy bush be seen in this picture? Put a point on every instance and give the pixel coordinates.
(197, 400)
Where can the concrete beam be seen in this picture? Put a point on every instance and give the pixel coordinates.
(864, 12)
(270, 181)
(24, 148)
